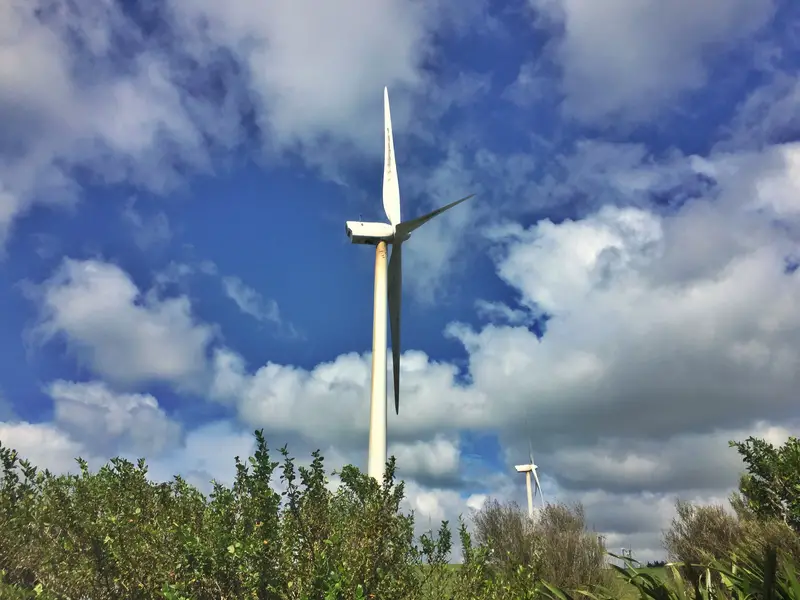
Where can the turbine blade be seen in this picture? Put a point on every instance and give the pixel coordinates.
(530, 450)
(407, 227)
(391, 186)
(538, 486)
(395, 297)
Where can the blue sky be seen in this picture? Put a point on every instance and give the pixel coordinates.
(174, 181)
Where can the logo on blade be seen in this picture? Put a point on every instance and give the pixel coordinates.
(388, 151)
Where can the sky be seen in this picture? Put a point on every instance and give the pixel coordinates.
(621, 293)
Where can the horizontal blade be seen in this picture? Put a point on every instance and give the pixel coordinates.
(538, 486)
(395, 296)
(404, 229)
(391, 186)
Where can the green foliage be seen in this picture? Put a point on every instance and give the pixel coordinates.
(116, 534)
(555, 545)
(771, 486)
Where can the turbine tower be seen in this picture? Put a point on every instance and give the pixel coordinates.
(528, 470)
(379, 235)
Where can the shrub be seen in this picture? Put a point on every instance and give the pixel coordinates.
(116, 534)
(555, 545)
(506, 532)
(760, 534)
(700, 534)
(703, 535)
(770, 486)
(569, 555)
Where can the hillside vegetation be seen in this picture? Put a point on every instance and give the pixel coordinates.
(114, 534)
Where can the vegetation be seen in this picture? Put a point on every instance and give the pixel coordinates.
(116, 534)
(558, 537)
(771, 486)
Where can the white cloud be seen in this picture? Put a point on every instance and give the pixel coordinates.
(206, 453)
(69, 105)
(629, 59)
(158, 111)
(108, 421)
(436, 460)
(249, 301)
(330, 402)
(119, 332)
(310, 80)
(685, 463)
(45, 445)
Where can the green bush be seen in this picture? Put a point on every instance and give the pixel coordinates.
(770, 488)
(115, 534)
(555, 544)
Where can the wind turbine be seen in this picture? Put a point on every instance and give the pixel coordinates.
(379, 235)
(528, 470)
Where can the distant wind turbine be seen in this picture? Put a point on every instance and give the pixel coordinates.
(528, 470)
(380, 234)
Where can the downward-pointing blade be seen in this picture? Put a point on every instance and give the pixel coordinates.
(538, 486)
(404, 229)
(395, 296)
(391, 186)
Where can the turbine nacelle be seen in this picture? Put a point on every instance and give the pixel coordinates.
(369, 233)
(525, 468)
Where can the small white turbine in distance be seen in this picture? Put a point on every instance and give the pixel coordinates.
(380, 234)
(528, 470)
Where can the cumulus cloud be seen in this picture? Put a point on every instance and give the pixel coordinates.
(684, 464)
(45, 445)
(119, 332)
(165, 106)
(330, 401)
(204, 454)
(628, 59)
(619, 280)
(109, 421)
(92, 421)
(435, 461)
(311, 80)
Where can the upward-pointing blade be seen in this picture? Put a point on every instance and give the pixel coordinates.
(395, 296)
(403, 229)
(391, 187)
